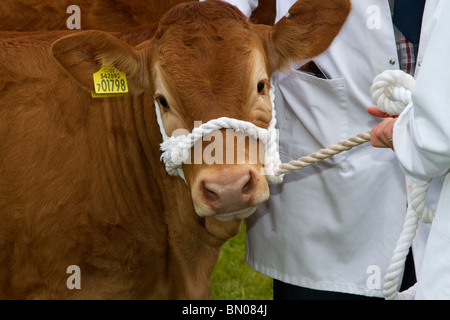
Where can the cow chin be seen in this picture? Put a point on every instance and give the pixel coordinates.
(239, 214)
(228, 216)
(228, 193)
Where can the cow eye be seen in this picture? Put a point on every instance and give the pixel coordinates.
(163, 102)
(261, 87)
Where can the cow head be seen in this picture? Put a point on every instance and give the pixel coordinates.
(207, 61)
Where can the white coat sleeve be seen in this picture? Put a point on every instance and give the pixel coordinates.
(246, 6)
(422, 131)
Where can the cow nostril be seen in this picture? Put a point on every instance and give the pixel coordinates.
(248, 185)
(228, 192)
(209, 194)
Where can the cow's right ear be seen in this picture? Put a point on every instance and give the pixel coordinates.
(306, 31)
(82, 54)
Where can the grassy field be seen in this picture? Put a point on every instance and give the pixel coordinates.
(233, 279)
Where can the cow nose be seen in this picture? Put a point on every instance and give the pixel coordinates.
(230, 192)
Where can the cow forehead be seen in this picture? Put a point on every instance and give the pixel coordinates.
(204, 60)
(219, 46)
(192, 16)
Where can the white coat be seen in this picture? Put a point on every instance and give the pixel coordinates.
(333, 226)
(422, 145)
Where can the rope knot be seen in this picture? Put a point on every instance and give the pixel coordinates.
(391, 91)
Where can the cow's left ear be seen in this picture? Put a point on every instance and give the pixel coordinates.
(306, 31)
(81, 55)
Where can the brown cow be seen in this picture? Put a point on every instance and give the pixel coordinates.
(82, 186)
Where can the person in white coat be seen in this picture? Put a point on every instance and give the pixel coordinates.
(329, 230)
(420, 137)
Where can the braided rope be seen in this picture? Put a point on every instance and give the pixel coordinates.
(418, 203)
(392, 91)
(322, 154)
(396, 265)
(417, 209)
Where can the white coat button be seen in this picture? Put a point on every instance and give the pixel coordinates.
(392, 61)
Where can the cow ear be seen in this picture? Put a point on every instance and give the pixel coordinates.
(306, 31)
(82, 54)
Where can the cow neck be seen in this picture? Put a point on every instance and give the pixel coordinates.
(176, 150)
(129, 133)
(128, 153)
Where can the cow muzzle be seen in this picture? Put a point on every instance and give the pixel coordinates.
(229, 193)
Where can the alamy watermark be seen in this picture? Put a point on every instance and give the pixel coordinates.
(74, 280)
(374, 277)
(374, 17)
(373, 21)
(231, 147)
(74, 20)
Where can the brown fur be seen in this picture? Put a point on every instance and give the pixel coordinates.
(81, 182)
(107, 15)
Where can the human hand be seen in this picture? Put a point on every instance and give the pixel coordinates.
(381, 134)
(380, 114)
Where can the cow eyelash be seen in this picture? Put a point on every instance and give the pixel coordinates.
(162, 101)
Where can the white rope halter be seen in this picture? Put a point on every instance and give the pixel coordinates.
(176, 150)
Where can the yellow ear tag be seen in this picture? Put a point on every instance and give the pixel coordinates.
(109, 82)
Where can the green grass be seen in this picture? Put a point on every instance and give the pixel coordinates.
(233, 279)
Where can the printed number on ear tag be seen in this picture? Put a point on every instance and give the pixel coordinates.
(109, 82)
